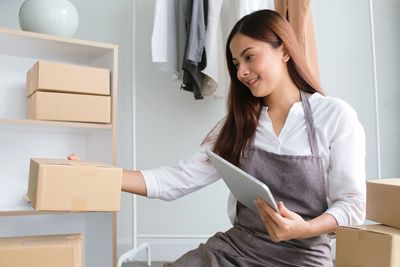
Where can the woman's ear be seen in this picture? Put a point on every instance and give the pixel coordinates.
(285, 54)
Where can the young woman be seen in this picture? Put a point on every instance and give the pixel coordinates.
(280, 127)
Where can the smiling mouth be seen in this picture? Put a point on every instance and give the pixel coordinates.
(251, 82)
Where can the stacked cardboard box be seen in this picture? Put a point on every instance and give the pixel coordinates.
(43, 251)
(66, 185)
(64, 92)
(62, 185)
(375, 244)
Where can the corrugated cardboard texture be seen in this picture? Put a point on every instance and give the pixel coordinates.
(42, 251)
(69, 107)
(368, 246)
(383, 201)
(51, 76)
(64, 185)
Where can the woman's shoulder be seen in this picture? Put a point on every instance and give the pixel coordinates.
(331, 106)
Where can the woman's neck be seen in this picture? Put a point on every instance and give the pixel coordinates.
(279, 104)
(282, 99)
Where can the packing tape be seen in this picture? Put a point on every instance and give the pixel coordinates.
(361, 235)
(78, 204)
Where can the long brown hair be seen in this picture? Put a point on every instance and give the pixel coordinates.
(244, 109)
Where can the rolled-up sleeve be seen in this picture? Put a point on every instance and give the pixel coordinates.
(346, 173)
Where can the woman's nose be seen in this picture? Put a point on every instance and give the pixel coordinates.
(242, 72)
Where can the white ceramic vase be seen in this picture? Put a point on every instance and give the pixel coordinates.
(58, 17)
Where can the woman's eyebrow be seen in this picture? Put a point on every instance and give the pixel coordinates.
(244, 51)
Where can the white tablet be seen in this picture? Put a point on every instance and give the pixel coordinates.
(243, 186)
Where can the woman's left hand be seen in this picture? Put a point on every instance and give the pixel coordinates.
(284, 225)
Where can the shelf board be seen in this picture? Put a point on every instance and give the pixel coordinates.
(55, 123)
(17, 210)
(52, 126)
(45, 46)
(20, 210)
(27, 209)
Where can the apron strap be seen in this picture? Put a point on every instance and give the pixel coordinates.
(312, 137)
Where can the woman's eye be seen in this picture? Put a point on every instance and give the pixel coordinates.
(236, 65)
(249, 57)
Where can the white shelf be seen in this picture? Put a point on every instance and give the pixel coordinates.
(17, 210)
(52, 126)
(49, 47)
(22, 139)
(27, 209)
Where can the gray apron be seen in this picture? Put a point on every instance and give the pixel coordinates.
(299, 182)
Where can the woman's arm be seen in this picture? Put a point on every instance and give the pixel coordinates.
(287, 225)
(133, 182)
(346, 177)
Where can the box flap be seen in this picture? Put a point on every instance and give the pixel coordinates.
(376, 228)
(40, 241)
(53, 161)
(391, 181)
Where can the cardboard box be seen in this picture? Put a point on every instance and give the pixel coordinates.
(373, 245)
(43, 251)
(383, 199)
(67, 185)
(51, 76)
(69, 107)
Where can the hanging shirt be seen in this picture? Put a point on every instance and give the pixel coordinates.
(237, 9)
(164, 44)
(215, 79)
(341, 141)
(194, 59)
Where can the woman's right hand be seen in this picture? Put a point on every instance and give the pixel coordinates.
(73, 157)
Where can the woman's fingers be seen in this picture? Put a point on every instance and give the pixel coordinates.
(73, 157)
(276, 217)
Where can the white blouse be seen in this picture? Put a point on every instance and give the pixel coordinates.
(341, 141)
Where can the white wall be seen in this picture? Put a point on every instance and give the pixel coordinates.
(344, 48)
(387, 38)
(345, 51)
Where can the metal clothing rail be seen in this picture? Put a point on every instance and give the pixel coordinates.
(376, 96)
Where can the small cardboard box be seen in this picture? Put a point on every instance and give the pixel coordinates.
(43, 251)
(69, 107)
(372, 245)
(51, 76)
(383, 201)
(67, 185)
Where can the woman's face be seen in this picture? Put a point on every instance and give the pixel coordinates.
(259, 66)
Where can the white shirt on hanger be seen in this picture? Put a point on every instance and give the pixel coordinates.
(215, 81)
(164, 43)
